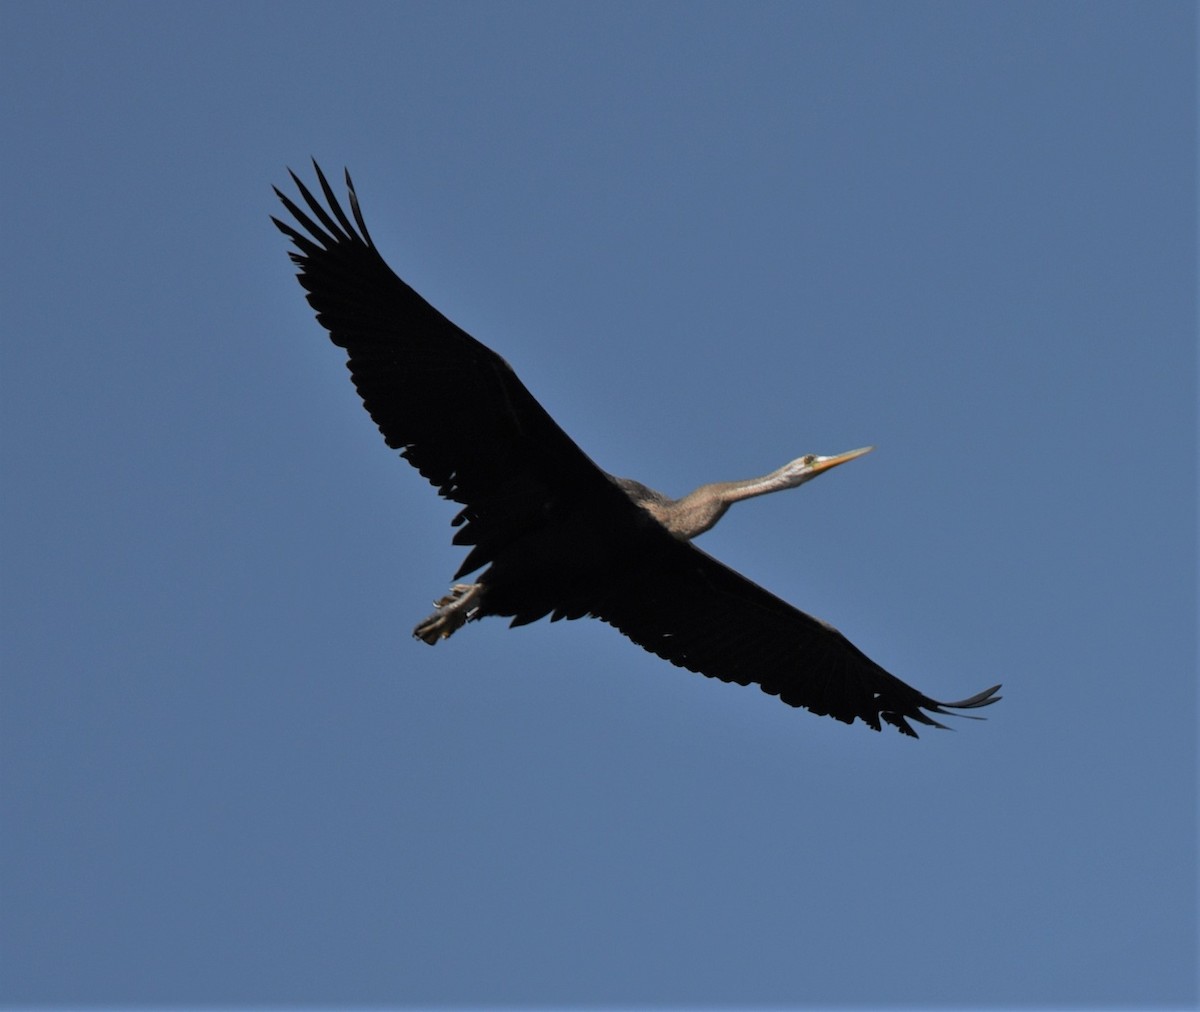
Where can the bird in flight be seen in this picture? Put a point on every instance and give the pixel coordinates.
(558, 536)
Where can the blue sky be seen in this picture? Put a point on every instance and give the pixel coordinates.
(710, 238)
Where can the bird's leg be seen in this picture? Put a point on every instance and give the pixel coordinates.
(453, 612)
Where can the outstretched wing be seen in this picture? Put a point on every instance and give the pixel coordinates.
(701, 615)
(451, 406)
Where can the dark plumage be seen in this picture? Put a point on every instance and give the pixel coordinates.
(559, 536)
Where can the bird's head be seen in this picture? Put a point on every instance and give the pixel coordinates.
(805, 468)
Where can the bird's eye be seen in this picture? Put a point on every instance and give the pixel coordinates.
(810, 458)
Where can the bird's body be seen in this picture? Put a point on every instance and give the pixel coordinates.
(553, 533)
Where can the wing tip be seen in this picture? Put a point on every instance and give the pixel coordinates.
(899, 719)
(326, 223)
(985, 698)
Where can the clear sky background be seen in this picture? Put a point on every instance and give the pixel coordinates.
(710, 238)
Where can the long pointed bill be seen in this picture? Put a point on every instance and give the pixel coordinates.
(825, 463)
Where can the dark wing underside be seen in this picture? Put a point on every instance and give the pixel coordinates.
(699, 614)
(453, 407)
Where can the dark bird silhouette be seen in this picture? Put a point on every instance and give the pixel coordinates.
(559, 536)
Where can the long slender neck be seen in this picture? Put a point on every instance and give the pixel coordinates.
(698, 511)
